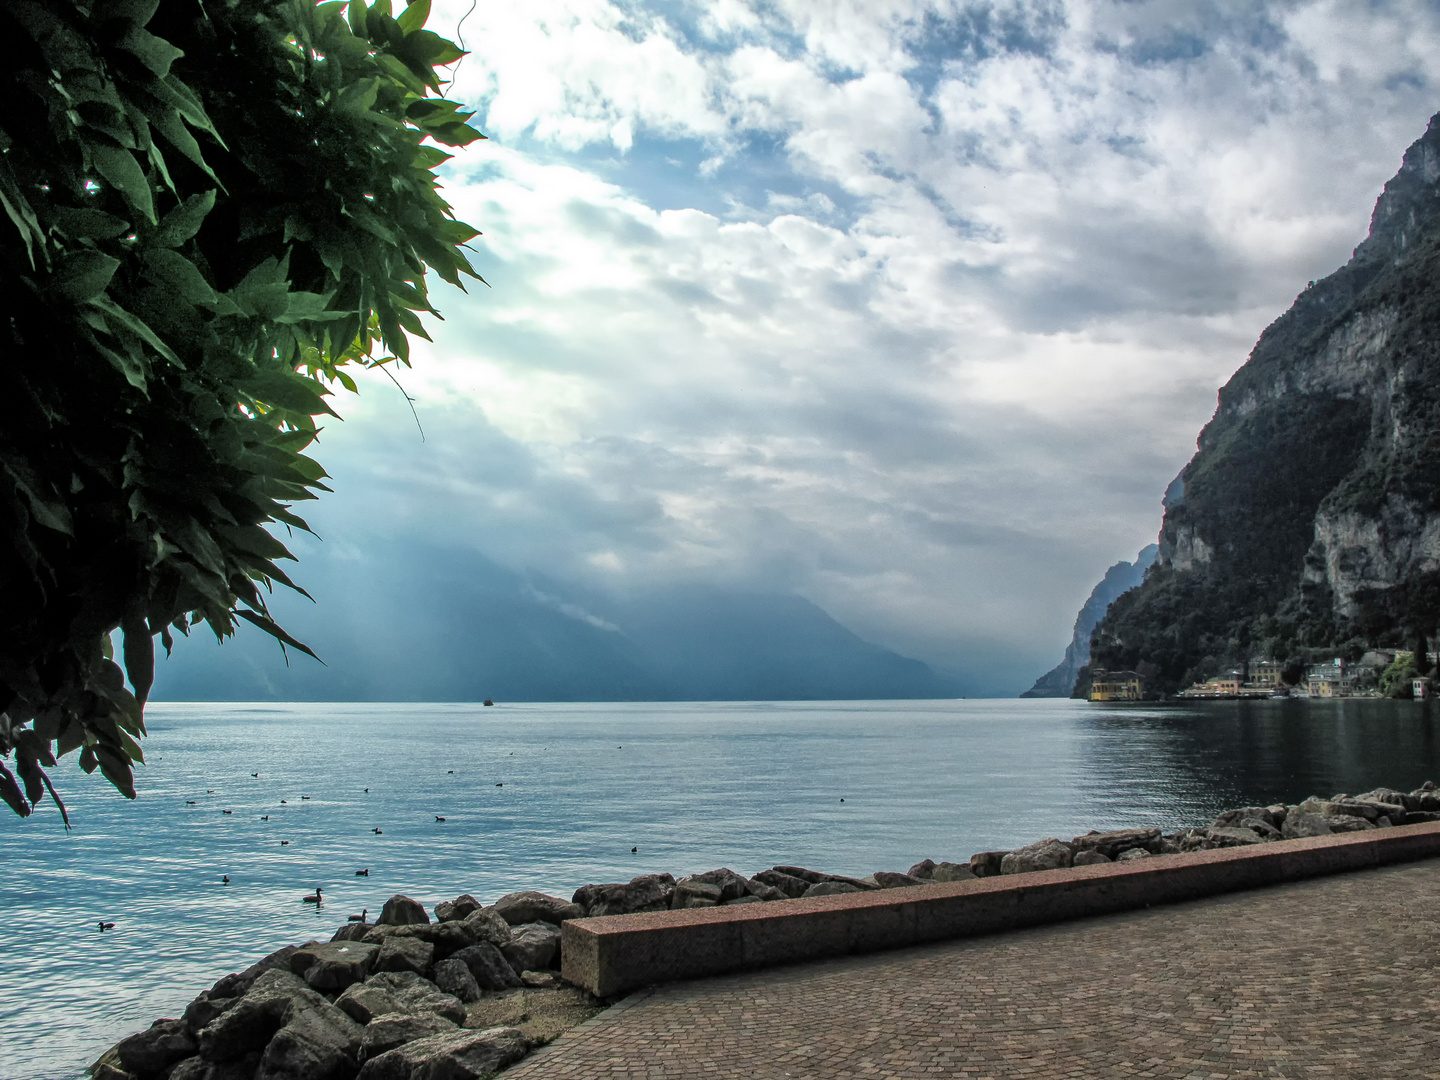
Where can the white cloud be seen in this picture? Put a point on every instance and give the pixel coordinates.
(930, 309)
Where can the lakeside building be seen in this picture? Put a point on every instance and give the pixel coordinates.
(1265, 673)
(1334, 679)
(1233, 685)
(1422, 687)
(1116, 686)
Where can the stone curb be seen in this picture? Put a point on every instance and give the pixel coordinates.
(614, 954)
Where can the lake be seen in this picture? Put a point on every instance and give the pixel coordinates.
(553, 797)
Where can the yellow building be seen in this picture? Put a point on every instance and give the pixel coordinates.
(1115, 686)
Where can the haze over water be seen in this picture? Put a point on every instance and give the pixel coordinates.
(693, 786)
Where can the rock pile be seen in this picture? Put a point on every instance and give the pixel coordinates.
(388, 1000)
(381, 1001)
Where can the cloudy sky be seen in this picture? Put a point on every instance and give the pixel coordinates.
(910, 308)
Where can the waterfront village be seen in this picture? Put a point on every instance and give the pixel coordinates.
(1262, 678)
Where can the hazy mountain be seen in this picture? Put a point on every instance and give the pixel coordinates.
(1309, 518)
(1059, 681)
(453, 626)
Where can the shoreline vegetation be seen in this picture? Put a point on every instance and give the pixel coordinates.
(476, 988)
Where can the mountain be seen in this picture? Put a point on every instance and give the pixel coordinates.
(1309, 518)
(445, 625)
(1059, 681)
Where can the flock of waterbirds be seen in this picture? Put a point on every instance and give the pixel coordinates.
(317, 897)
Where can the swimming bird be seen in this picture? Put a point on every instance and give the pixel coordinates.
(362, 873)
(256, 775)
(451, 772)
(367, 791)
(842, 800)
(304, 796)
(489, 702)
(312, 899)
(439, 818)
(227, 811)
(210, 791)
(189, 802)
(107, 926)
(362, 917)
(499, 785)
(265, 817)
(284, 843)
(282, 802)
(634, 850)
(377, 832)
(224, 879)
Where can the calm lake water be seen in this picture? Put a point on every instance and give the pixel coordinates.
(692, 786)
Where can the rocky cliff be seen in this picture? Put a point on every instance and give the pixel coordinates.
(1309, 518)
(1059, 681)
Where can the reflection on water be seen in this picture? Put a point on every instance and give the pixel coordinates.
(692, 786)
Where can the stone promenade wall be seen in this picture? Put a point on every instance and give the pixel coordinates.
(618, 953)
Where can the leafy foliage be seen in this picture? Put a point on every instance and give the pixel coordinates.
(213, 209)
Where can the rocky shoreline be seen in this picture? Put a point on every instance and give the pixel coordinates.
(468, 993)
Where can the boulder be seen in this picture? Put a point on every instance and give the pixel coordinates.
(334, 965)
(1261, 827)
(488, 966)
(987, 863)
(888, 879)
(1114, 842)
(692, 894)
(741, 900)
(732, 886)
(1131, 854)
(1300, 822)
(952, 871)
(453, 977)
(458, 1055)
(1340, 806)
(1340, 823)
(1089, 857)
(254, 1019)
(402, 911)
(1277, 814)
(364, 1002)
(761, 891)
(922, 869)
(414, 994)
(1391, 796)
(353, 931)
(485, 925)
(235, 984)
(449, 937)
(540, 980)
(787, 884)
(649, 892)
(161, 1045)
(1048, 854)
(1235, 817)
(316, 1043)
(197, 1068)
(529, 907)
(405, 954)
(205, 1008)
(831, 888)
(816, 876)
(389, 1032)
(459, 908)
(535, 947)
(1233, 837)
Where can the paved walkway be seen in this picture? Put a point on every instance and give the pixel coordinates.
(1337, 978)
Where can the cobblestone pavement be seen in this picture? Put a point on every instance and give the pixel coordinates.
(1335, 978)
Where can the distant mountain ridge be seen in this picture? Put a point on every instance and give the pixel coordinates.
(446, 625)
(1059, 681)
(1308, 521)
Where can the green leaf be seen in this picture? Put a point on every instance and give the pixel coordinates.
(137, 327)
(173, 270)
(182, 223)
(358, 98)
(155, 53)
(123, 173)
(139, 12)
(83, 223)
(84, 276)
(414, 15)
(274, 630)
